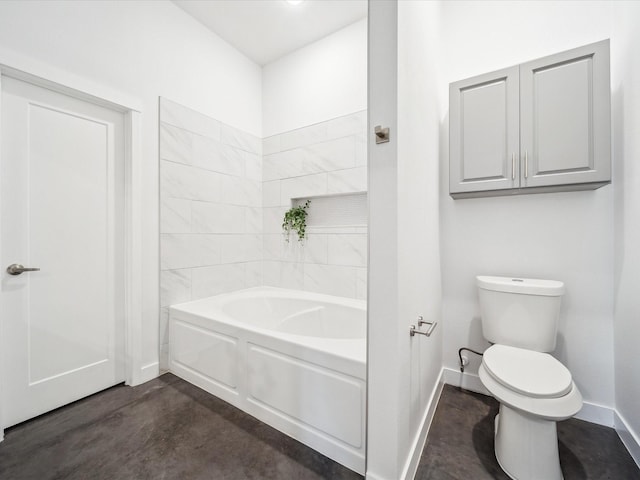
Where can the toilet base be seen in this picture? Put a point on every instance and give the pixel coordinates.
(526, 447)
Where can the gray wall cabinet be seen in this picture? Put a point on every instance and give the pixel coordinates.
(541, 126)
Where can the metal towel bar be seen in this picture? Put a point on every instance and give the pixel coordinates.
(413, 330)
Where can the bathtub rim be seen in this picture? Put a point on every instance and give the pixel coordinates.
(208, 310)
(272, 292)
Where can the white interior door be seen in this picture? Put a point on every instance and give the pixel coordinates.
(61, 209)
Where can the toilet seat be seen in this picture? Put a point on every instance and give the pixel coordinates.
(527, 372)
(547, 408)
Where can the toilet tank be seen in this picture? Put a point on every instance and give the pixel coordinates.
(520, 312)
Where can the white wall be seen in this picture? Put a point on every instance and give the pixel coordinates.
(145, 50)
(404, 259)
(419, 276)
(321, 81)
(563, 236)
(314, 124)
(386, 388)
(625, 84)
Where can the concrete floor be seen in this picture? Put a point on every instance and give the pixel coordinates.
(460, 444)
(163, 429)
(169, 429)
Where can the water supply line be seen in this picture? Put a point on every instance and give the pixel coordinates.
(462, 363)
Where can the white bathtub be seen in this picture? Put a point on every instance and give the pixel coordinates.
(295, 360)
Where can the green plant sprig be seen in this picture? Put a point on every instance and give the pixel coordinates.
(295, 219)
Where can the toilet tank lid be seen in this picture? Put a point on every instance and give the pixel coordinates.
(524, 286)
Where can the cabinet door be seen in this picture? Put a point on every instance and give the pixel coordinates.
(483, 133)
(565, 118)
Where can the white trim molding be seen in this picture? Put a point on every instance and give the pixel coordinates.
(1, 356)
(468, 381)
(420, 440)
(135, 373)
(591, 412)
(373, 476)
(629, 438)
(31, 71)
(594, 413)
(148, 372)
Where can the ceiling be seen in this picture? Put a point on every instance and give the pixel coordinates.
(265, 30)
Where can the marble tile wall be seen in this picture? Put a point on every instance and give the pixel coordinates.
(223, 193)
(210, 209)
(328, 158)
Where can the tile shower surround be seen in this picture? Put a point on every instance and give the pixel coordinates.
(327, 158)
(210, 209)
(223, 195)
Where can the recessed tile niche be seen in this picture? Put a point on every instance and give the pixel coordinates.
(345, 210)
(223, 194)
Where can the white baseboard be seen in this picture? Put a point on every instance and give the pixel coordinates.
(594, 413)
(591, 412)
(410, 468)
(148, 372)
(373, 476)
(468, 381)
(629, 438)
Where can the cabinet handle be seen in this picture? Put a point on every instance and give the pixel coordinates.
(513, 166)
(526, 164)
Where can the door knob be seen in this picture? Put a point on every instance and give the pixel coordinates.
(17, 269)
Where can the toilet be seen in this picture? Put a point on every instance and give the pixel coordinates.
(520, 319)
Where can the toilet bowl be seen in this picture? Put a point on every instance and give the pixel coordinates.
(534, 389)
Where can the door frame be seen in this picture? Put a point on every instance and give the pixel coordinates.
(61, 82)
